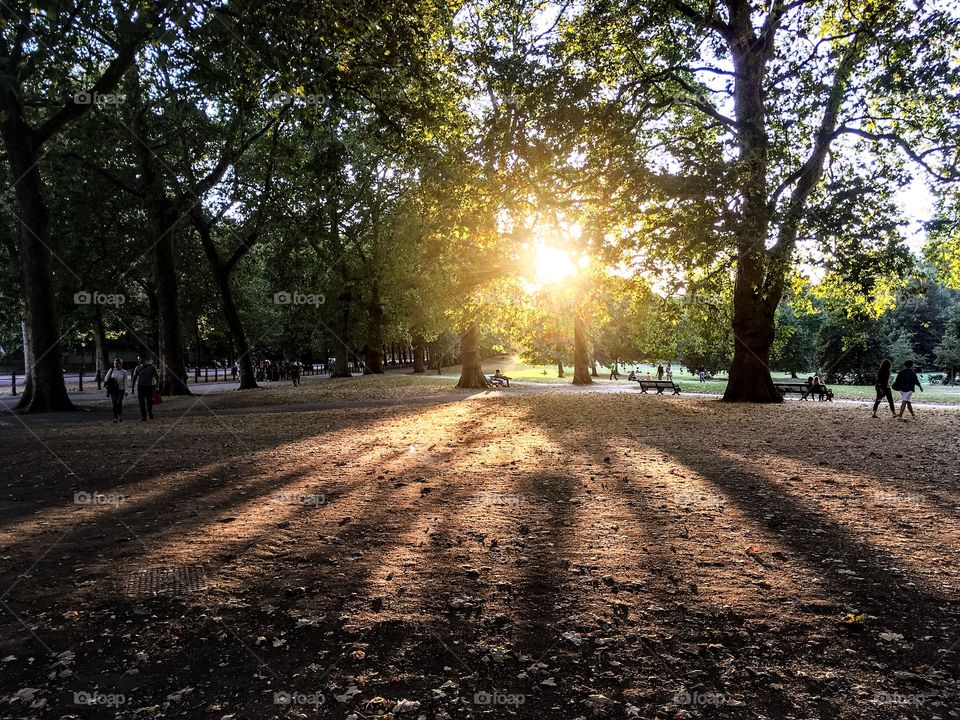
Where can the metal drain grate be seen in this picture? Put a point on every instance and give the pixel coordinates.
(172, 581)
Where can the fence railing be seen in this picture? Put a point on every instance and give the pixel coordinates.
(196, 374)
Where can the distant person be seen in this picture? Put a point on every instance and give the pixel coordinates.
(116, 384)
(145, 380)
(632, 375)
(659, 372)
(702, 374)
(883, 388)
(818, 388)
(614, 375)
(296, 369)
(649, 375)
(500, 379)
(233, 370)
(906, 381)
(669, 372)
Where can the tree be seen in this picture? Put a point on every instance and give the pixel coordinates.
(50, 54)
(719, 131)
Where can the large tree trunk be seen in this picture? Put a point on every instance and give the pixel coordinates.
(753, 314)
(163, 225)
(373, 358)
(231, 314)
(471, 372)
(581, 354)
(100, 340)
(753, 329)
(341, 352)
(418, 354)
(45, 390)
(241, 346)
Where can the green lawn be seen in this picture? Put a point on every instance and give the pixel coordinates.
(516, 370)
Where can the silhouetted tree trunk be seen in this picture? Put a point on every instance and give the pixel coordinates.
(560, 369)
(373, 359)
(471, 372)
(221, 274)
(581, 354)
(341, 352)
(418, 352)
(45, 390)
(164, 220)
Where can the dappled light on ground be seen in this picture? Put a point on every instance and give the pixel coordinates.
(559, 545)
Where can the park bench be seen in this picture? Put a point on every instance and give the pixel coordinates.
(659, 386)
(800, 388)
(498, 381)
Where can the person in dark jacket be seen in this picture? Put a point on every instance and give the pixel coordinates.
(906, 381)
(145, 380)
(883, 388)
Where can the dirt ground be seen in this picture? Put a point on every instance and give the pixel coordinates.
(539, 555)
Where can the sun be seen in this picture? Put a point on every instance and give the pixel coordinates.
(552, 265)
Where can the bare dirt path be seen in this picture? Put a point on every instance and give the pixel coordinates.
(541, 555)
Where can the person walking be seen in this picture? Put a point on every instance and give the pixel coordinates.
(145, 378)
(116, 384)
(883, 388)
(659, 372)
(906, 381)
(670, 372)
(614, 375)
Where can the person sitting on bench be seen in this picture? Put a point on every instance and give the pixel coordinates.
(500, 379)
(818, 388)
(632, 375)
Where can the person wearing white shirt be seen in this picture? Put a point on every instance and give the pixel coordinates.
(116, 383)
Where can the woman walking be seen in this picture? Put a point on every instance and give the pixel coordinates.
(116, 384)
(883, 388)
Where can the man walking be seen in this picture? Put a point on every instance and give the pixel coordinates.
(906, 381)
(145, 381)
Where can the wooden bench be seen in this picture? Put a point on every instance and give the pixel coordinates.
(659, 386)
(801, 389)
(503, 381)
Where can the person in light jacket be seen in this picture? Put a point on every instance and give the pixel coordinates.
(116, 382)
